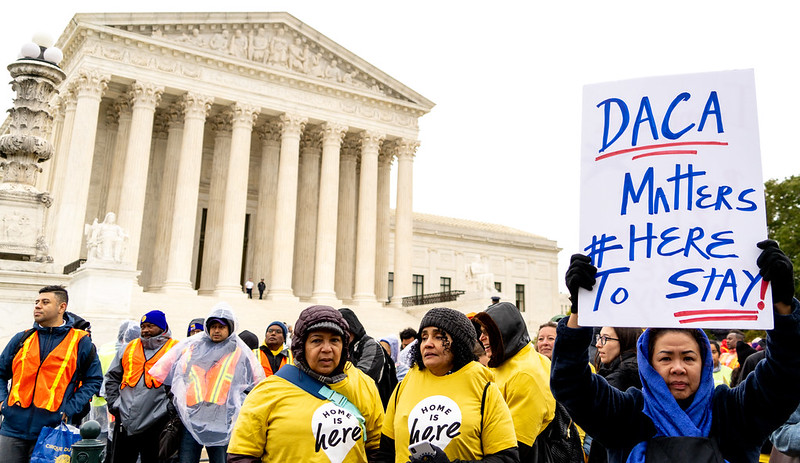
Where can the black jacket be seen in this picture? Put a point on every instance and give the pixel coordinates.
(622, 372)
(742, 417)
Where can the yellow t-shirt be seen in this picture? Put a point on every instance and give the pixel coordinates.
(281, 422)
(524, 381)
(446, 411)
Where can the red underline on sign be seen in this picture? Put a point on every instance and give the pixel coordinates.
(686, 313)
(662, 145)
(720, 318)
(660, 153)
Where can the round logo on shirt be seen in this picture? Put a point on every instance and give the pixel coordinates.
(335, 431)
(436, 419)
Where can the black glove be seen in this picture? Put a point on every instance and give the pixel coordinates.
(438, 457)
(775, 267)
(580, 274)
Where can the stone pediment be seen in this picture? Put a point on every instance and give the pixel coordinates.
(278, 42)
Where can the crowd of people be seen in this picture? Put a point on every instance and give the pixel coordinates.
(460, 387)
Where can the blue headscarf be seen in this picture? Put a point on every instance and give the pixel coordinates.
(659, 404)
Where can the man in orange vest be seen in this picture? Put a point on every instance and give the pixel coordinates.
(139, 401)
(274, 354)
(54, 371)
(209, 374)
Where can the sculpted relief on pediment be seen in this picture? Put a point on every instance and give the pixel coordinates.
(275, 46)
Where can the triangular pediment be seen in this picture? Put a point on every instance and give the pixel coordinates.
(278, 42)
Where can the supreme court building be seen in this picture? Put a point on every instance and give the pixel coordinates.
(237, 145)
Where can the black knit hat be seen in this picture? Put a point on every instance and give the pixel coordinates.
(453, 322)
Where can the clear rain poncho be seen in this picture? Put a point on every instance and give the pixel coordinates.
(210, 380)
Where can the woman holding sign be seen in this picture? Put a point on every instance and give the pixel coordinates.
(678, 415)
(447, 406)
(321, 409)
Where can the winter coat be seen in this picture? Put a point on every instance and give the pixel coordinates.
(622, 372)
(139, 407)
(742, 418)
(26, 423)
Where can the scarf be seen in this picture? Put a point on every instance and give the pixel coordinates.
(668, 417)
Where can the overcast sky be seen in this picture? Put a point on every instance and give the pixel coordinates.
(502, 144)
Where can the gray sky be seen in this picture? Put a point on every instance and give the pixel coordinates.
(502, 144)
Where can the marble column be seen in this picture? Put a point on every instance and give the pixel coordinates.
(144, 97)
(221, 124)
(263, 229)
(385, 160)
(56, 182)
(57, 109)
(346, 222)
(184, 216)
(366, 225)
(280, 287)
(166, 200)
(112, 128)
(404, 221)
(152, 196)
(66, 232)
(306, 222)
(328, 207)
(118, 154)
(235, 200)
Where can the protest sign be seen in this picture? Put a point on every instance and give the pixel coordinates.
(672, 203)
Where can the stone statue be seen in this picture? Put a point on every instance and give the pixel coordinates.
(314, 65)
(297, 56)
(279, 49)
(479, 277)
(333, 72)
(258, 46)
(220, 41)
(105, 241)
(238, 46)
(196, 39)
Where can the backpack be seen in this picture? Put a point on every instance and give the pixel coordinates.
(560, 441)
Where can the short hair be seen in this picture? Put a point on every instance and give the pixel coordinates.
(739, 334)
(59, 291)
(550, 324)
(715, 343)
(408, 333)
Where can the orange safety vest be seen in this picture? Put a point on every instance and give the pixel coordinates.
(134, 364)
(265, 362)
(44, 382)
(211, 386)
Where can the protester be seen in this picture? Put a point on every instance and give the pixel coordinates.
(722, 373)
(250, 339)
(138, 402)
(210, 374)
(449, 399)
(195, 326)
(521, 374)
(407, 336)
(368, 356)
(546, 339)
(730, 358)
(284, 420)
(273, 354)
(54, 372)
(743, 351)
(391, 344)
(679, 415)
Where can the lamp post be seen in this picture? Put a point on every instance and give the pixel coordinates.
(22, 206)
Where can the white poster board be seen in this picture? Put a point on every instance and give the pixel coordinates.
(672, 203)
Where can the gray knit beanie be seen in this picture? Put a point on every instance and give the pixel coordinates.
(453, 322)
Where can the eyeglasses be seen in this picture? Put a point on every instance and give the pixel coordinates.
(278, 331)
(603, 339)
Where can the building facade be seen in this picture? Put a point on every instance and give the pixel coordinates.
(233, 145)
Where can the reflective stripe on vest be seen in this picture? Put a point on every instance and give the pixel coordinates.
(212, 386)
(44, 382)
(134, 364)
(265, 362)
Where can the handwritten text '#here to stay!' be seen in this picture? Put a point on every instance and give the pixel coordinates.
(683, 190)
